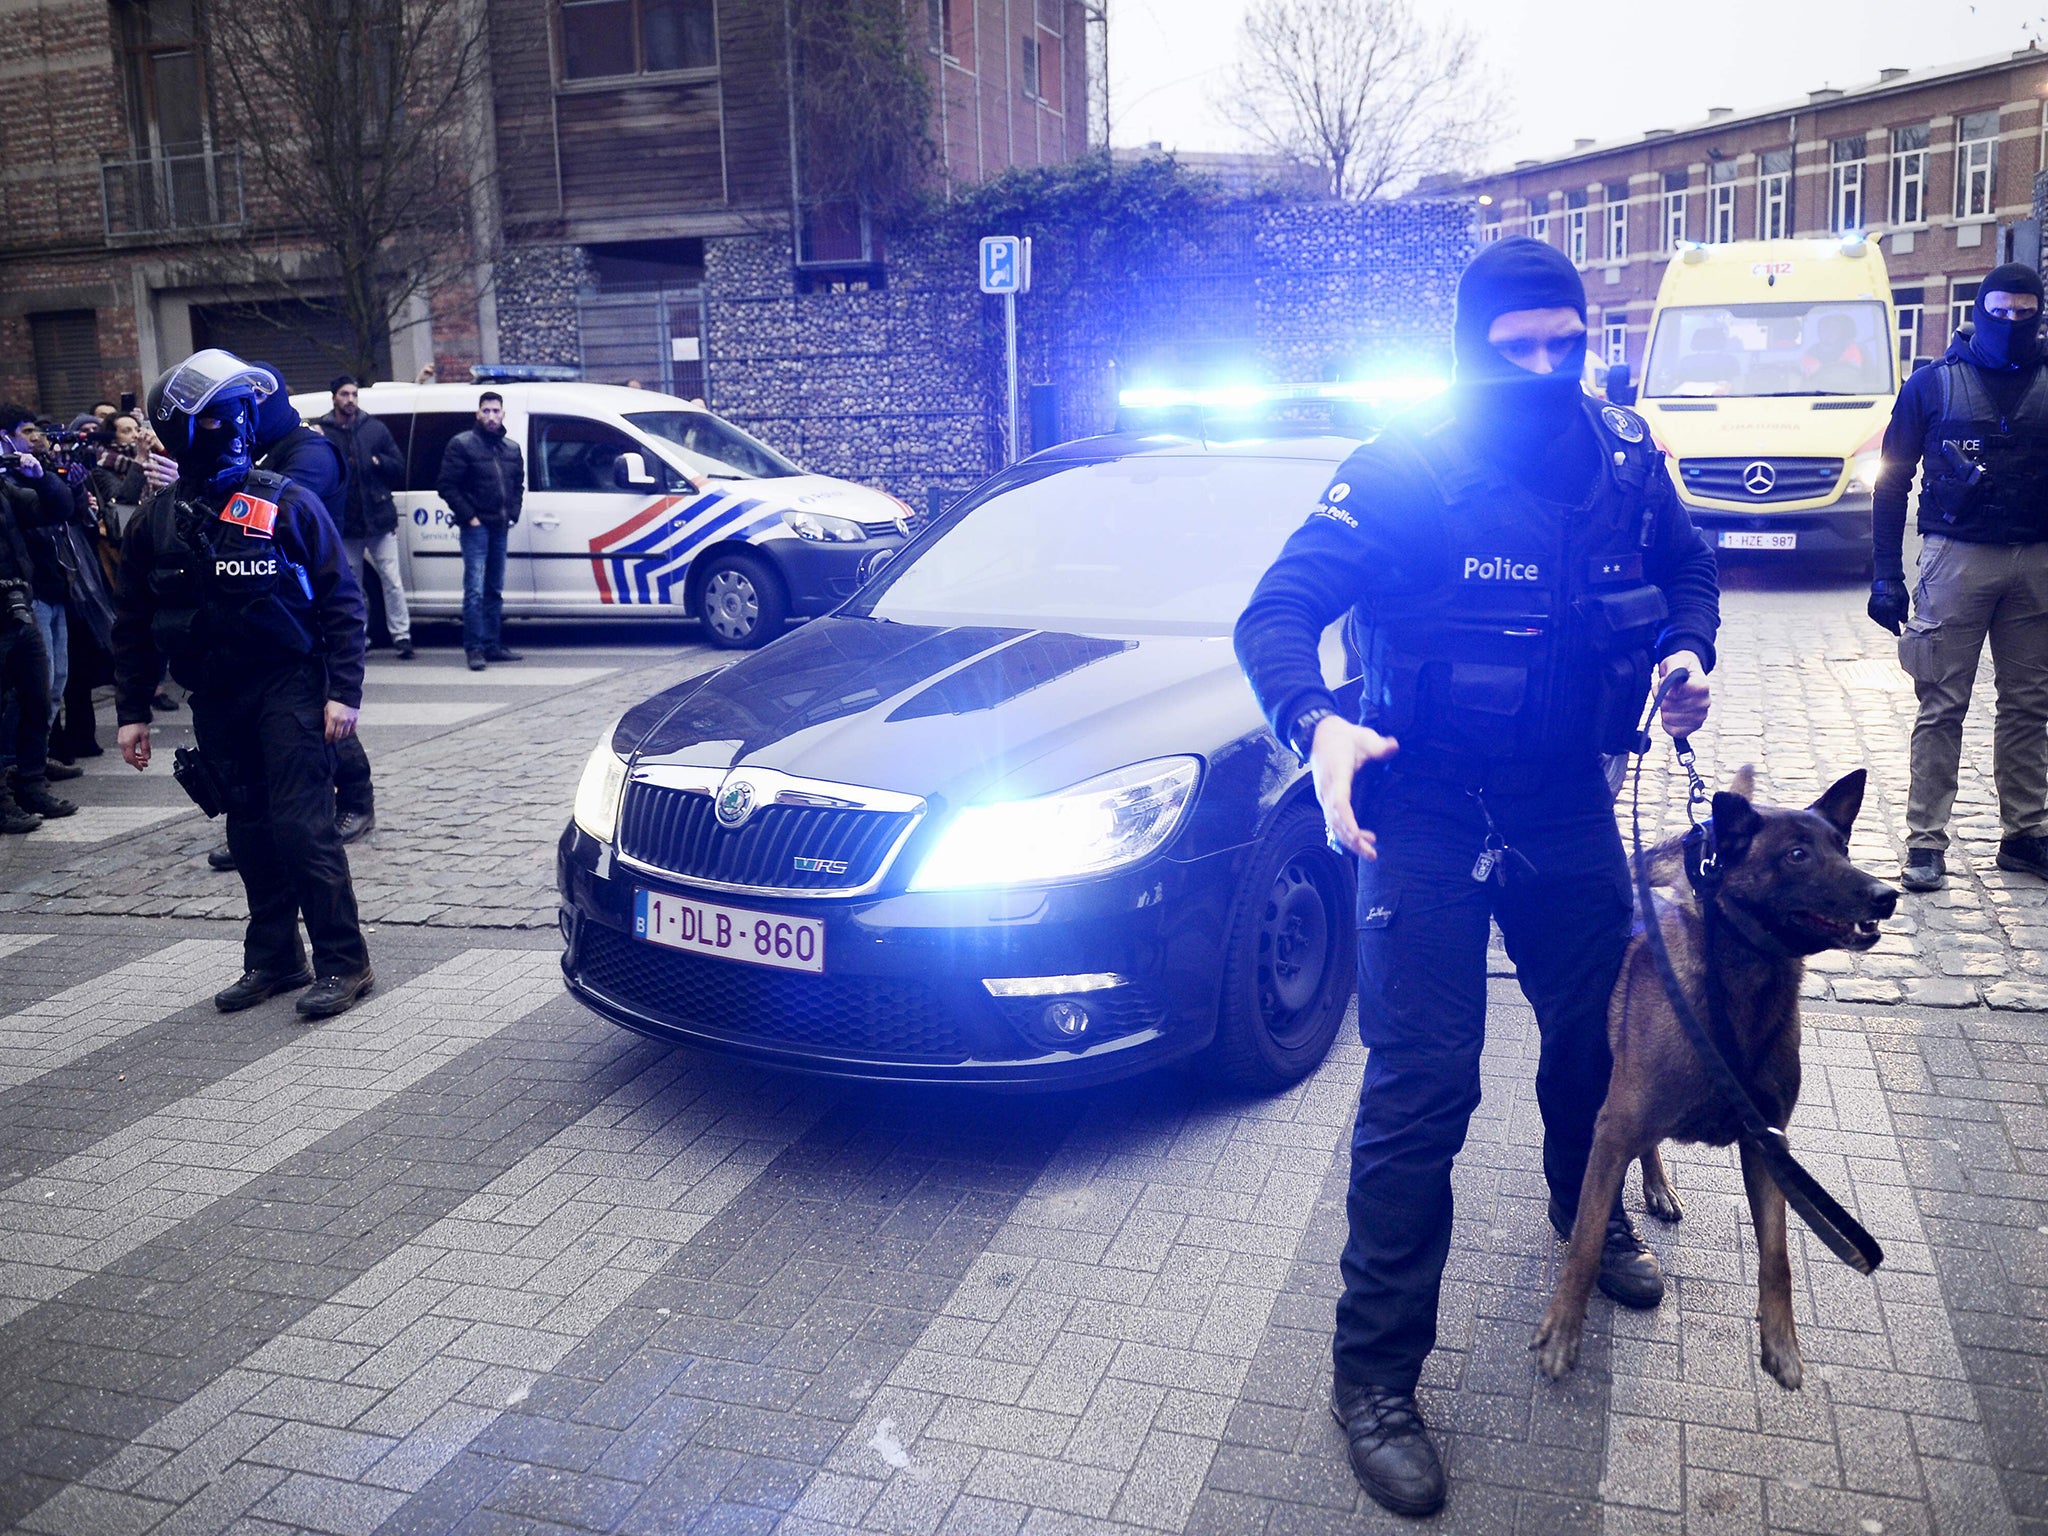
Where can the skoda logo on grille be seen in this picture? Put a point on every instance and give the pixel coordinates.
(1758, 478)
(735, 803)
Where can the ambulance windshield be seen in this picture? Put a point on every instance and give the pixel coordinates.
(1822, 348)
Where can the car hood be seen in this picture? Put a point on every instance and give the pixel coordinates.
(815, 493)
(952, 714)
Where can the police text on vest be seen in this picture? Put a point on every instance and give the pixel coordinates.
(1500, 568)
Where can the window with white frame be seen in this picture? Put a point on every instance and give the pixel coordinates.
(1774, 195)
(1976, 164)
(1721, 202)
(1614, 339)
(1962, 298)
(1539, 219)
(1617, 222)
(1673, 224)
(1909, 175)
(1489, 223)
(1575, 227)
(1845, 184)
(1911, 304)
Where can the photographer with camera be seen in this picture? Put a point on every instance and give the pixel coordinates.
(235, 577)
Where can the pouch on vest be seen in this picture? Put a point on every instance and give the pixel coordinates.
(1623, 620)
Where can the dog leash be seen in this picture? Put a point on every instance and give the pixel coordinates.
(1844, 1235)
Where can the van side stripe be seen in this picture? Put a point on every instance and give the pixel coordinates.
(679, 556)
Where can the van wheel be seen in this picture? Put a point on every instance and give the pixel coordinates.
(741, 602)
(1290, 961)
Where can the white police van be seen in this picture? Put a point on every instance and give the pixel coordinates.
(636, 503)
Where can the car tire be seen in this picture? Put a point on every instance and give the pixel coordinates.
(1290, 960)
(741, 601)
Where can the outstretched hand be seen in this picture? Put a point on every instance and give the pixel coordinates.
(1339, 750)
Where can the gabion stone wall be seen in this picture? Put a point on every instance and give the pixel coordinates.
(902, 387)
(536, 289)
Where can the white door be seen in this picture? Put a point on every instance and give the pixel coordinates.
(434, 549)
(599, 540)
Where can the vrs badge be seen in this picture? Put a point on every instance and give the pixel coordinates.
(735, 803)
(1621, 423)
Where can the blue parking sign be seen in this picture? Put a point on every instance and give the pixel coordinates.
(1003, 264)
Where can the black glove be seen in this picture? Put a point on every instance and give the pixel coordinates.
(1888, 606)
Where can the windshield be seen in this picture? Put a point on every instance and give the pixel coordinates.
(1145, 545)
(713, 448)
(1824, 348)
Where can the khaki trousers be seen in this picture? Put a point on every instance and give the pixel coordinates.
(1966, 593)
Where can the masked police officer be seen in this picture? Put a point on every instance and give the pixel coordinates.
(1976, 426)
(1516, 565)
(235, 577)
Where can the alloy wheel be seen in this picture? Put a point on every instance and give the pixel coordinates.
(732, 606)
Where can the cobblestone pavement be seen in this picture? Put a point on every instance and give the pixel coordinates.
(470, 1260)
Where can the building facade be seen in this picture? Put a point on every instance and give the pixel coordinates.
(1939, 162)
(622, 136)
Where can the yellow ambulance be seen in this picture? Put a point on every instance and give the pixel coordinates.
(1769, 378)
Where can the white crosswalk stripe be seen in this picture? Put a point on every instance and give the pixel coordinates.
(421, 1354)
(98, 823)
(525, 676)
(125, 1190)
(79, 1020)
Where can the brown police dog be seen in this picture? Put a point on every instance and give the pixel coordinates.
(1788, 891)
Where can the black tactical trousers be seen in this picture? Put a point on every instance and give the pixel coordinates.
(1422, 1011)
(25, 698)
(352, 789)
(265, 736)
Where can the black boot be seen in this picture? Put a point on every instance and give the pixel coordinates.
(336, 994)
(222, 859)
(1392, 1456)
(256, 986)
(1628, 1270)
(36, 799)
(354, 826)
(13, 819)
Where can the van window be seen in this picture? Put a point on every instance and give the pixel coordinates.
(713, 447)
(1825, 347)
(431, 433)
(573, 453)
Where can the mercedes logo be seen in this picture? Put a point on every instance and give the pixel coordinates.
(1758, 478)
(735, 803)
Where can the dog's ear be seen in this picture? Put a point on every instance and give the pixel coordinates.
(1842, 801)
(1735, 823)
(1744, 782)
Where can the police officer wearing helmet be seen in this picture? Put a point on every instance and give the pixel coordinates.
(235, 578)
(1516, 567)
(1975, 425)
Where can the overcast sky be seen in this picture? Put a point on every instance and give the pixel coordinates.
(1600, 68)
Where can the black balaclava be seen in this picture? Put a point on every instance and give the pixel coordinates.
(276, 416)
(2006, 343)
(1519, 415)
(217, 458)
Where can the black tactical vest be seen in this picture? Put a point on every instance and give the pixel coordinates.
(1984, 477)
(1537, 642)
(222, 586)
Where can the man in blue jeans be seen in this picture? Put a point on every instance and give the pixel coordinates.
(483, 481)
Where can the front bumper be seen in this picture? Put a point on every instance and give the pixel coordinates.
(1842, 527)
(822, 576)
(902, 997)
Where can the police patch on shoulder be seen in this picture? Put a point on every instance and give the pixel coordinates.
(1337, 492)
(252, 514)
(1335, 515)
(1621, 423)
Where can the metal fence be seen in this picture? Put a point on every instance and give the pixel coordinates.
(153, 195)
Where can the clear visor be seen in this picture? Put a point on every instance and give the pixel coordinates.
(205, 374)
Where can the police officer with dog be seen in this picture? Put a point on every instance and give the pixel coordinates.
(1975, 425)
(235, 578)
(1516, 567)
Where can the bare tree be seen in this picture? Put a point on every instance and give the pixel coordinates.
(1368, 92)
(368, 156)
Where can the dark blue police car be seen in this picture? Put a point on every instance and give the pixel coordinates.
(1008, 817)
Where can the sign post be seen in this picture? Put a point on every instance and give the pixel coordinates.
(1006, 269)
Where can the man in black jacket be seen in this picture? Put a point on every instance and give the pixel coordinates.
(483, 481)
(235, 578)
(1515, 563)
(43, 504)
(24, 666)
(1975, 425)
(369, 525)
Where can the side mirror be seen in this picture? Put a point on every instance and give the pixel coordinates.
(1621, 389)
(629, 473)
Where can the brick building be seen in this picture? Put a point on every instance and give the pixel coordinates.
(1940, 161)
(625, 135)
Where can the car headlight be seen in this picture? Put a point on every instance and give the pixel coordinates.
(1864, 471)
(599, 791)
(820, 529)
(1090, 829)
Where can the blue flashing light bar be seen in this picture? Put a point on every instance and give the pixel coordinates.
(1246, 397)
